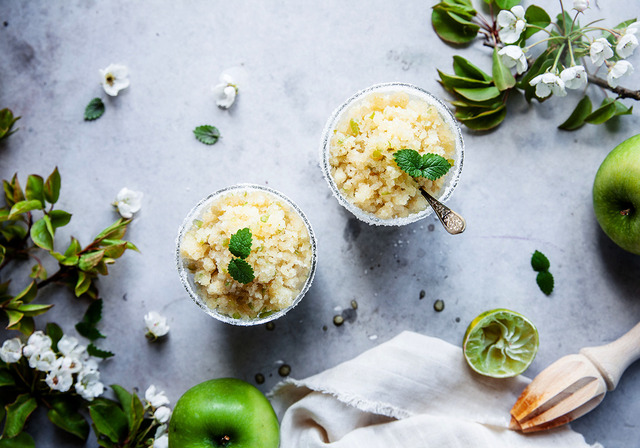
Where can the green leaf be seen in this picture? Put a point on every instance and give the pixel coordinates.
(115, 251)
(34, 190)
(6, 379)
(6, 123)
(612, 38)
(94, 109)
(66, 417)
(114, 231)
(501, 74)
(606, 111)
(16, 190)
(14, 318)
(431, 166)
(33, 310)
(240, 243)
(479, 95)
(539, 262)
(453, 28)
(52, 187)
(17, 414)
(38, 272)
(59, 218)
(24, 207)
(577, 117)
(535, 15)
(74, 248)
(22, 440)
(486, 120)
(98, 353)
(109, 420)
(207, 134)
(42, 233)
(28, 293)
(83, 283)
(87, 327)
(124, 397)
(464, 68)
(460, 81)
(90, 260)
(507, 4)
(54, 331)
(88, 331)
(241, 271)
(545, 282)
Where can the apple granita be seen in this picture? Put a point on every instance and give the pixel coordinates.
(362, 146)
(281, 253)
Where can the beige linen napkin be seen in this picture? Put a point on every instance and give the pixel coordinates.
(414, 391)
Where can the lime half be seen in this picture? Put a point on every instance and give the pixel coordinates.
(500, 343)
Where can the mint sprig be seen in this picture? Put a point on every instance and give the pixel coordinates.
(432, 166)
(240, 243)
(207, 134)
(240, 246)
(241, 271)
(94, 109)
(540, 263)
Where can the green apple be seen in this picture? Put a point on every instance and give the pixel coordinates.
(224, 412)
(616, 195)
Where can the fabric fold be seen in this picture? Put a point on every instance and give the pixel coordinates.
(412, 391)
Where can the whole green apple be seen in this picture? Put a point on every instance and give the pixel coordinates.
(224, 412)
(616, 195)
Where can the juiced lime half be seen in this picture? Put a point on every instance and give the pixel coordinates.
(500, 343)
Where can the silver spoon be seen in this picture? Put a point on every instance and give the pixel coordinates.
(452, 222)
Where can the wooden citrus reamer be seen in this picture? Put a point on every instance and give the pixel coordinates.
(574, 384)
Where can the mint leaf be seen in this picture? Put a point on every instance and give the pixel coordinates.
(95, 351)
(94, 109)
(431, 166)
(539, 262)
(240, 243)
(545, 282)
(208, 135)
(241, 271)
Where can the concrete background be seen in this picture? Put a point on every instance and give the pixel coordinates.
(524, 187)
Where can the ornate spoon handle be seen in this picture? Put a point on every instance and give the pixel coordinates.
(452, 222)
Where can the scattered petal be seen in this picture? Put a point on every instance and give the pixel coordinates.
(225, 91)
(128, 202)
(114, 78)
(156, 325)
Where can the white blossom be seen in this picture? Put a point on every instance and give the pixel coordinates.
(114, 78)
(90, 364)
(513, 56)
(37, 342)
(511, 23)
(574, 77)
(618, 70)
(162, 414)
(156, 398)
(88, 385)
(580, 5)
(548, 83)
(11, 350)
(225, 91)
(60, 380)
(68, 346)
(68, 363)
(633, 28)
(599, 51)
(44, 360)
(160, 431)
(161, 442)
(626, 45)
(128, 202)
(156, 325)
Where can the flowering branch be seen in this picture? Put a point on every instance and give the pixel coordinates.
(481, 98)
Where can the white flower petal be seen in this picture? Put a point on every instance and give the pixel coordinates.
(599, 51)
(155, 398)
(626, 45)
(574, 77)
(161, 442)
(513, 56)
(156, 324)
(580, 5)
(11, 350)
(128, 202)
(162, 414)
(59, 380)
(114, 78)
(618, 70)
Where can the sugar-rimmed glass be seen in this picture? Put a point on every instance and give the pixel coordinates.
(187, 277)
(451, 179)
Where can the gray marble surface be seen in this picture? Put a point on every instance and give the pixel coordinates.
(524, 187)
